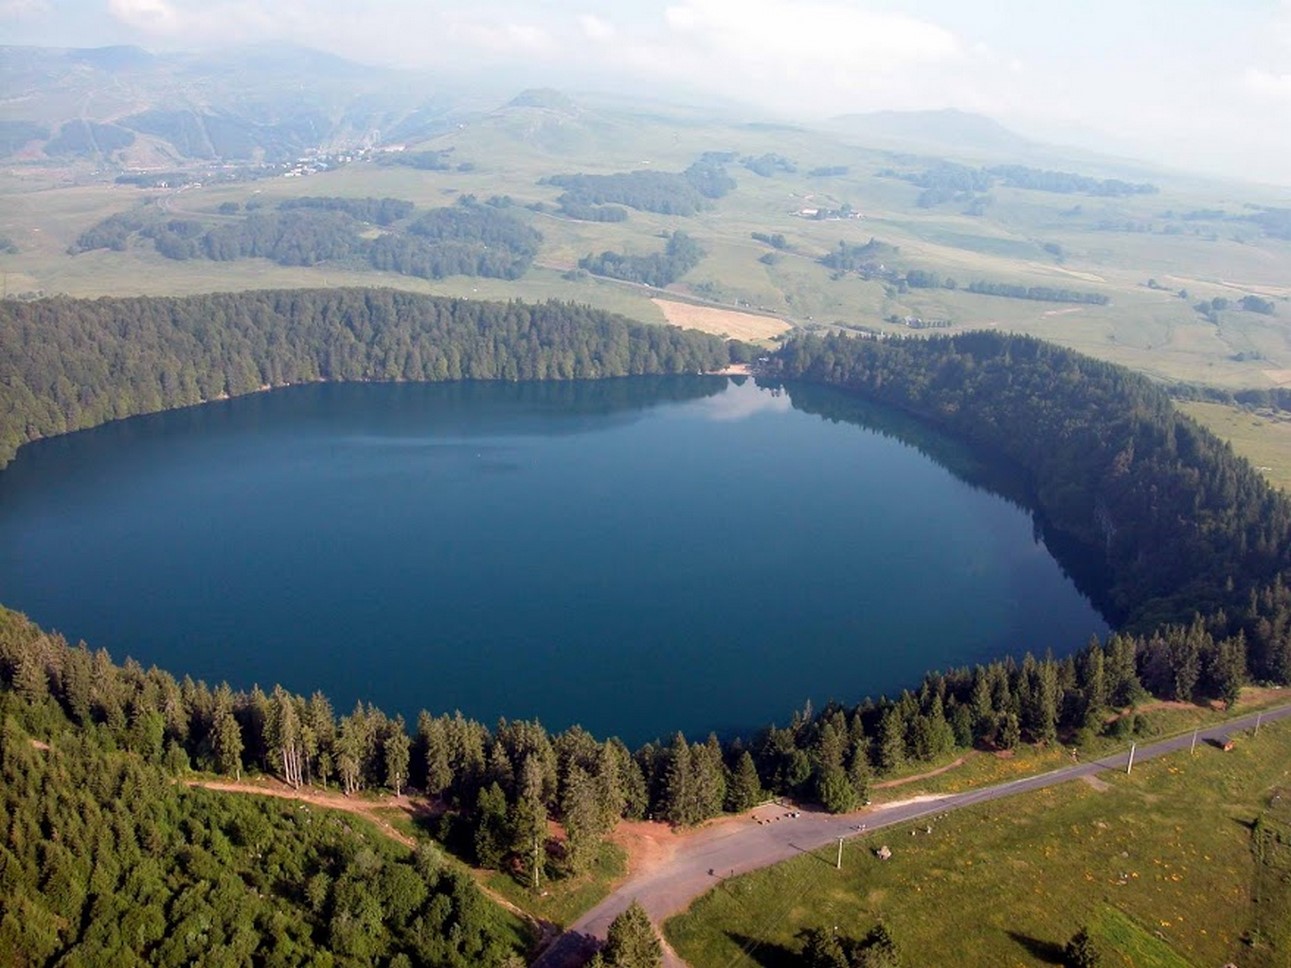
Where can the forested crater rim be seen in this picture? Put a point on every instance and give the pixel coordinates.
(1179, 525)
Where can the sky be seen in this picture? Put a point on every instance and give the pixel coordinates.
(1199, 85)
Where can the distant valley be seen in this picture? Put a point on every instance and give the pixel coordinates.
(129, 173)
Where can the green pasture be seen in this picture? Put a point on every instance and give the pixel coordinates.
(1262, 437)
(508, 152)
(562, 901)
(1159, 864)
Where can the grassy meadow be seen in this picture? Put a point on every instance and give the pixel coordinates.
(1021, 237)
(1263, 437)
(1162, 866)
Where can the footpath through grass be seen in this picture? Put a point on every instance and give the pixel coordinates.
(1161, 865)
(561, 901)
(558, 901)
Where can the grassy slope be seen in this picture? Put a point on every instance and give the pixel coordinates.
(1160, 863)
(1151, 330)
(1263, 438)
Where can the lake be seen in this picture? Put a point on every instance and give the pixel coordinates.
(637, 555)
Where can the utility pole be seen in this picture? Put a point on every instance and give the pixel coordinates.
(1130, 765)
(839, 866)
(535, 860)
(1257, 723)
(1192, 750)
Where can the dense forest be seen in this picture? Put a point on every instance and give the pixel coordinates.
(768, 164)
(107, 861)
(1067, 183)
(947, 181)
(659, 269)
(378, 211)
(421, 160)
(1039, 293)
(856, 258)
(69, 364)
(1192, 548)
(665, 192)
(470, 238)
(1181, 524)
(1276, 222)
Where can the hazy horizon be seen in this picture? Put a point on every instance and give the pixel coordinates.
(1191, 84)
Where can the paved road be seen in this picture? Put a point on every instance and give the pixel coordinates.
(728, 850)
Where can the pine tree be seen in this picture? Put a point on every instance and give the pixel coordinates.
(745, 789)
(322, 737)
(679, 785)
(1008, 732)
(1227, 672)
(1123, 686)
(283, 735)
(710, 778)
(610, 796)
(1092, 676)
(528, 818)
(830, 748)
(397, 755)
(492, 829)
(859, 774)
(583, 819)
(892, 751)
(834, 790)
(631, 941)
(439, 768)
(226, 744)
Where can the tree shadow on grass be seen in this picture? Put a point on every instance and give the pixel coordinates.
(766, 953)
(1051, 953)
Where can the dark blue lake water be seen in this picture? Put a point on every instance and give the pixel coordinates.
(636, 555)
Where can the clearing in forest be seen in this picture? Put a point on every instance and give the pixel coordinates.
(723, 322)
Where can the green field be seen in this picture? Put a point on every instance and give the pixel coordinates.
(1160, 864)
(560, 902)
(1262, 437)
(1023, 237)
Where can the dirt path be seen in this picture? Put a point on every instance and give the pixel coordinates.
(668, 870)
(889, 784)
(415, 807)
(368, 809)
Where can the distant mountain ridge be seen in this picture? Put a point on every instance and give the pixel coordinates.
(126, 106)
(947, 128)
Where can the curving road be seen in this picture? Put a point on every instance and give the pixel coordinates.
(725, 850)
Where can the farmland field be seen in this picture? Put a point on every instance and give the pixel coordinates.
(1152, 256)
(737, 325)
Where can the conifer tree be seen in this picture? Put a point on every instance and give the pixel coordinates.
(396, 752)
(745, 789)
(631, 941)
(679, 785)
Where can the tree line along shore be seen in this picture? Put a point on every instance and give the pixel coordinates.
(1191, 548)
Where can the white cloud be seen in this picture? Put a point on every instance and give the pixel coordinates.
(150, 15)
(1217, 66)
(595, 28)
(426, 34)
(823, 31)
(202, 23)
(808, 57)
(505, 39)
(1268, 84)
